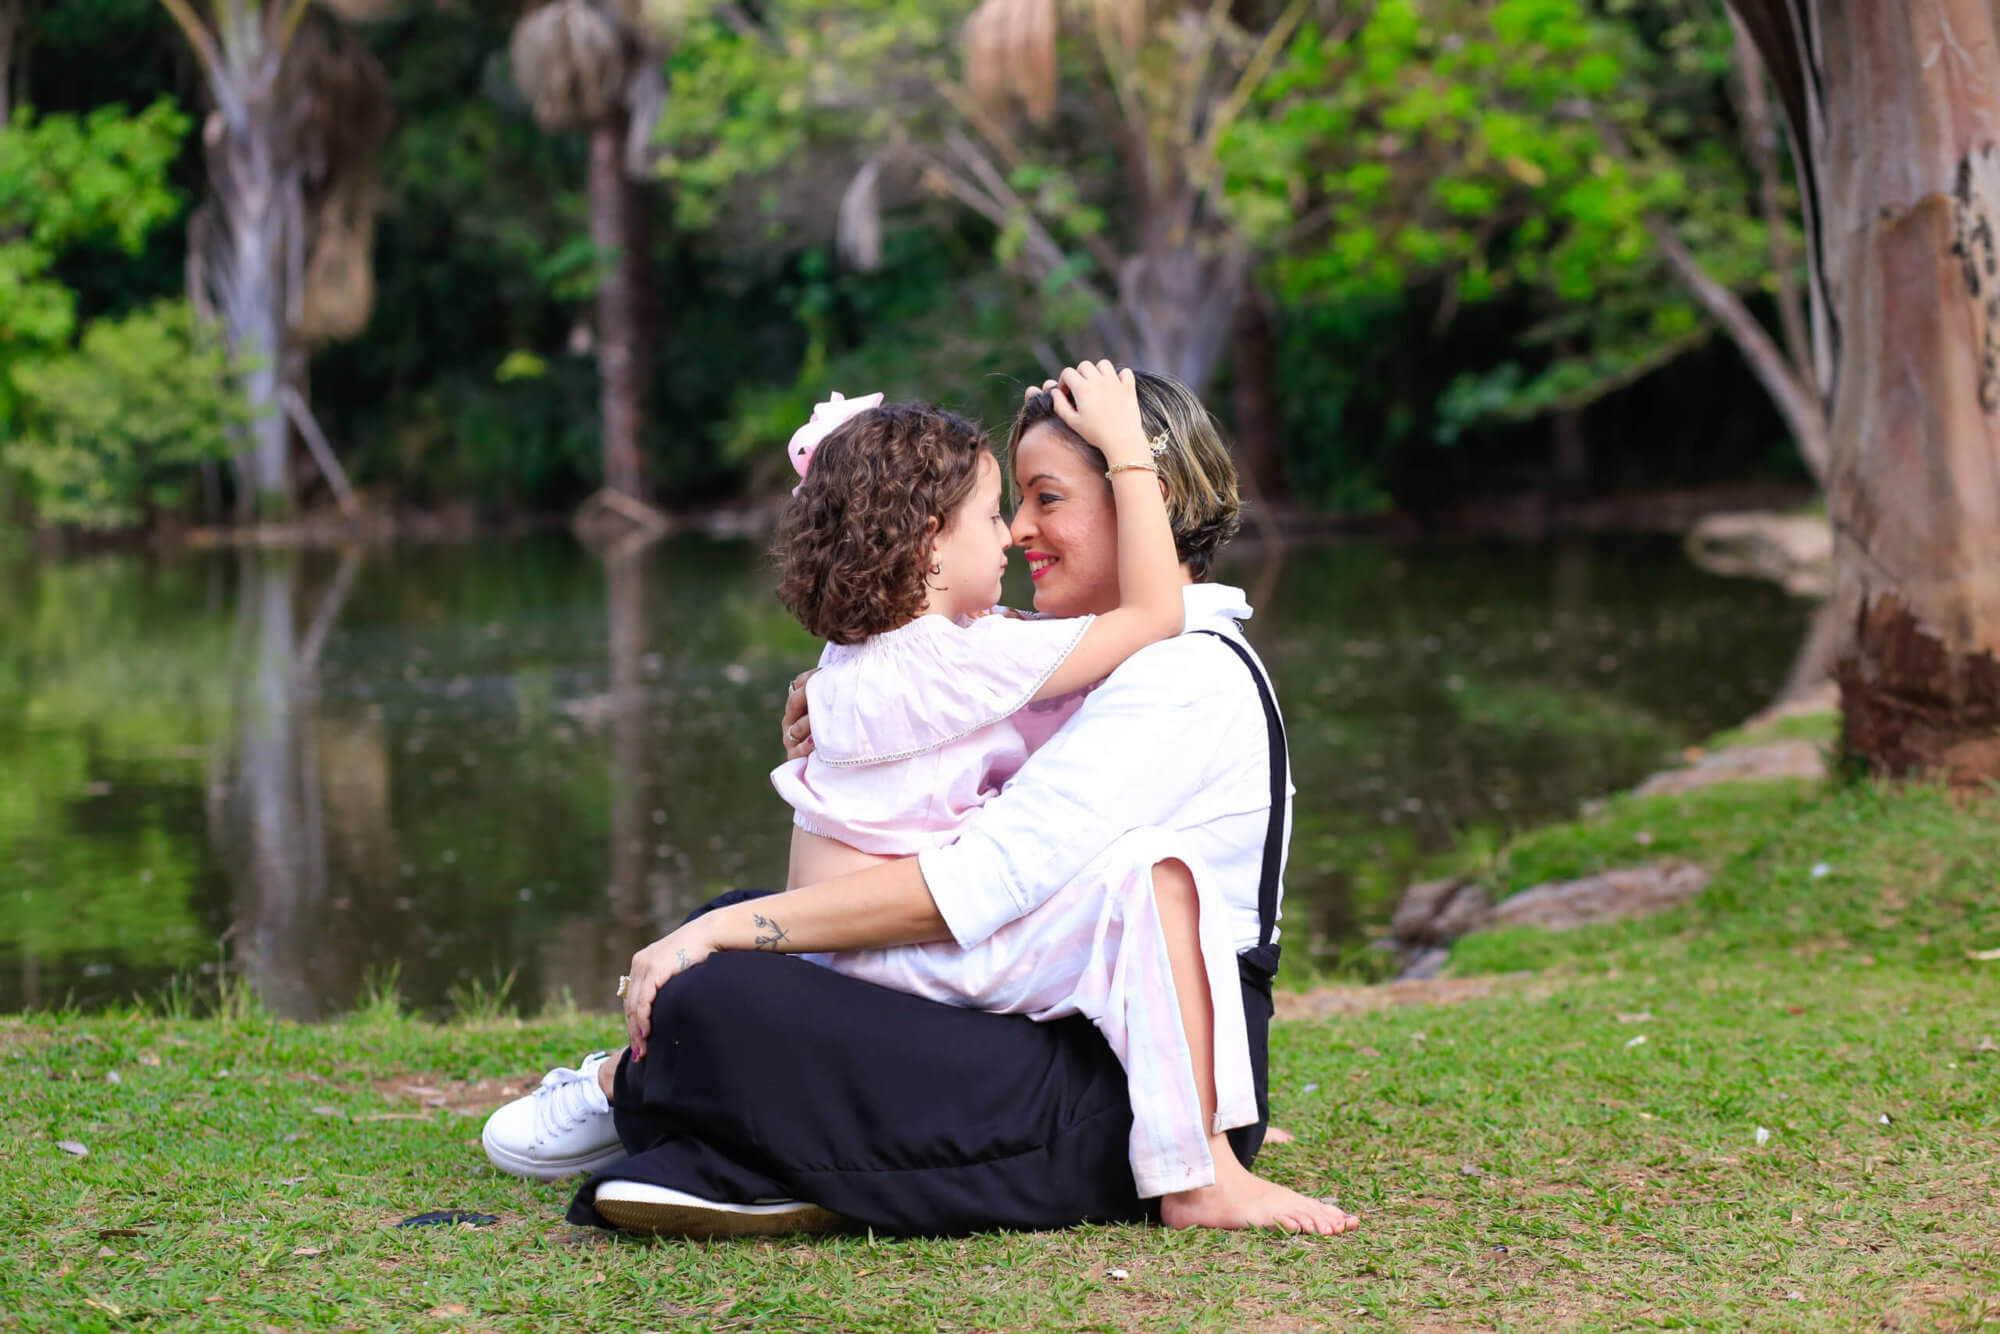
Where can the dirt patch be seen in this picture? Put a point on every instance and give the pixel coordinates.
(468, 1097)
(1323, 1001)
(1740, 764)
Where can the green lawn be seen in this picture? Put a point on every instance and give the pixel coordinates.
(1579, 1150)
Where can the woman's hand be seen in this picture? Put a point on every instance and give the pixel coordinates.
(798, 736)
(655, 966)
(1101, 404)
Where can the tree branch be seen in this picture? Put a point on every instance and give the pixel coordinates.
(1795, 399)
(1760, 139)
(198, 37)
(1206, 158)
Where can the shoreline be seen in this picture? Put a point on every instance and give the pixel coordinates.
(1522, 516)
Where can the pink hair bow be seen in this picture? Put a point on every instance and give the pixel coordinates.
(827, 418)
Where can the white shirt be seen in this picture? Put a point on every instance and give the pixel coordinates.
(1174, 738)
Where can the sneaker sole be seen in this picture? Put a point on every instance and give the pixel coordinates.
(701, 1220)
(549, 1169)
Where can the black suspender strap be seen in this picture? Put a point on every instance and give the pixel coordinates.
(1274, 833)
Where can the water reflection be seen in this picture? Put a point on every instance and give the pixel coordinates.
(527, 759)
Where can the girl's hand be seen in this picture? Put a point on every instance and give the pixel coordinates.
(655, 966)
(798, 733)
(1101, 404)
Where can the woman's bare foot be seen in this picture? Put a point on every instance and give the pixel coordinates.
(1239, 1199)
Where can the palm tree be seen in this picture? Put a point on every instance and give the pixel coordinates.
(590, 65)
(278, 253)
(1891, 108)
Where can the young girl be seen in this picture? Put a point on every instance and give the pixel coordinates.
(927, 701)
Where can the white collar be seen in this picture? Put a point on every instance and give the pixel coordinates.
(1209, 606)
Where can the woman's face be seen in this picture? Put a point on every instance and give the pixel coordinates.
(1066, 524)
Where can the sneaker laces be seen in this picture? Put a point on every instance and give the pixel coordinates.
(566, 1099)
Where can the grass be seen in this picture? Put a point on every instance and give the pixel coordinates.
(1578, 1150)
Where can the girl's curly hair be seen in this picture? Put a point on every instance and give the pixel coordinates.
(854, 547)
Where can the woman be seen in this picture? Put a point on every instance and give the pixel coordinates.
(767, 1081)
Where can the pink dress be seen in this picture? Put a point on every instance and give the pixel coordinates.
(915, 729)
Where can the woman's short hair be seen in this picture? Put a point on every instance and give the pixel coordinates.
(1203, 503)
(854, 545)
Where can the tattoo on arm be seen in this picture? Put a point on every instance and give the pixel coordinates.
(770, 935)
(680, 961)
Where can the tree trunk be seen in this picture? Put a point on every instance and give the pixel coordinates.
(254, 319)
(1252, 360)
(246, 245)
(619, 229)
(1895, 106)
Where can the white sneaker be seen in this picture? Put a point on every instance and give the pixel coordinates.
(562, 1128)
(637, 1206)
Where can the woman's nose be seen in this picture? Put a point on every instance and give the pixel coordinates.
(1020, 528)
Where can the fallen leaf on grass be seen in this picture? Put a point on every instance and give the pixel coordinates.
(1983, 956)
(113, 1077)
(393, 1116)
(112, 1309)
(1638, 1017)
(305, 1250)
(294, 1181)
(442, 1312)
(71, 1146)
(326, 1111)
(106, 1253)
(1469, 1170)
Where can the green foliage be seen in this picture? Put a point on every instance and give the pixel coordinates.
(1517, 151)
(115, 429)
(68, 181)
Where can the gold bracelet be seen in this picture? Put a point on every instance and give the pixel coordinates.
(1117, 468)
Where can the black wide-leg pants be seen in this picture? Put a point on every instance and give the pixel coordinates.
(768, 1077)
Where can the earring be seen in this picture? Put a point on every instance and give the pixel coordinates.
(937, 567)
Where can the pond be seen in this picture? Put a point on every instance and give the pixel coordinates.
(512, 763)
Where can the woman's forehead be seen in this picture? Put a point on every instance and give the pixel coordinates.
(1042, 452)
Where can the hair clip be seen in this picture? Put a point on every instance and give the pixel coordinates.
(1159, 443)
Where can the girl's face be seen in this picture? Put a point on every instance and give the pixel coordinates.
(971, 552)
(1067, 525)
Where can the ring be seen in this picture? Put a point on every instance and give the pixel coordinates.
(624, 985)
